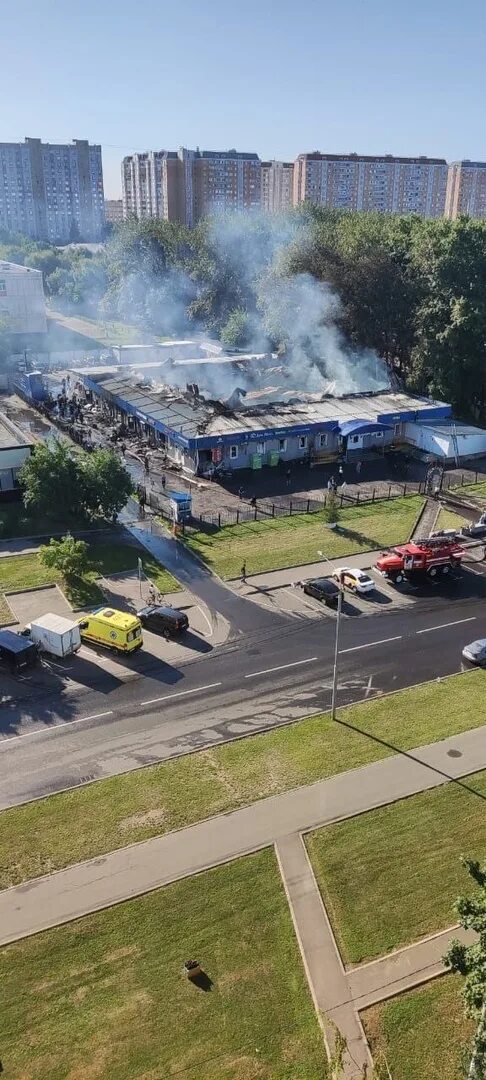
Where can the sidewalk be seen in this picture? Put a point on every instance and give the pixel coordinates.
(131, 871)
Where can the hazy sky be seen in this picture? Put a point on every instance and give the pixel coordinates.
(276, 78)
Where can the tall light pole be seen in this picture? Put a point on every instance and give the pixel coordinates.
(336, 640)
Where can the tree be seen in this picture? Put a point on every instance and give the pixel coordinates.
(331, 509)
(67, 555)
(105, 484)
(50, 480)
(470, 961)
(236, 333)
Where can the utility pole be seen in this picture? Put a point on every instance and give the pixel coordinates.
(336, 640)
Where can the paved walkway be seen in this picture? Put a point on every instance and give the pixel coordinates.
(403, 969)
(131, 871)
(323, 965)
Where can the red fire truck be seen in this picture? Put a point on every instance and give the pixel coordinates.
(432, 557)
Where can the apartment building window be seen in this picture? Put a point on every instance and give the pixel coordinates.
(282, 445)
(302, 442)
(323, 439)
(233, 452)
(260, 448)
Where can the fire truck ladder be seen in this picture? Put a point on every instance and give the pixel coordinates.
(434, 541)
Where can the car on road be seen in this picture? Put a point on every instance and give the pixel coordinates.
(323, 588)
(163, 619)
(475, 652)
(354, 579)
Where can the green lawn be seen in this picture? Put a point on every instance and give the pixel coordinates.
(477, 491)
(17, 521)
(390, 876)
(447, 519)
(421, 1035)
(288, 541)
(27, 572)
(106, 996)
(45, 835)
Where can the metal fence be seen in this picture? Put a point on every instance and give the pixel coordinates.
(263, 510)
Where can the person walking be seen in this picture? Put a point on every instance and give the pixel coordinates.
(287, 477)
(146, 463)
(341, 471)
(243, 571)
(241, 492)
(163, 482)
(330, 484)
(358, 468)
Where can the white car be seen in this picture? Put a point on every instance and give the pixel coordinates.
(356, 580)
(475, 652)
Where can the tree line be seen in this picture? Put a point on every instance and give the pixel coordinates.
(412, 289)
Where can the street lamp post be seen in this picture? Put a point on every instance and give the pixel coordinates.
(336, 641)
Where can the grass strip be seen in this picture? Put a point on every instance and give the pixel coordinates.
(51, 833)
(391, 875)
(420, 1034)
(286, 541)
(107, 996)
(27, 572)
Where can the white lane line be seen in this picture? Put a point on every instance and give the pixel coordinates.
(443, 625)
(55, 727)
(281, 667)
(180, 693)
(368, 644)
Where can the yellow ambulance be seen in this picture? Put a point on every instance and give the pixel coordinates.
(111, 628)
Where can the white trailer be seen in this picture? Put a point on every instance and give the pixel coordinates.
(56, 635)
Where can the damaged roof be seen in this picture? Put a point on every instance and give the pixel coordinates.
(196, 421)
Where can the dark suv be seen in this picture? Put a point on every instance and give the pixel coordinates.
(322, 588)
(162, 619)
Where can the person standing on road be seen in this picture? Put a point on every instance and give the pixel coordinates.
(287, 477)
(341, 472)
(146, 462)
(163, 482)
(358, 468)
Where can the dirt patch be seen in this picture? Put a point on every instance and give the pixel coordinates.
(142, 821)
(121, 953)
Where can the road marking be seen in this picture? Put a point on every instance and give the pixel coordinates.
(180, 693)
(368, 644)
(443, 625)
(281, 667)
(55, 727)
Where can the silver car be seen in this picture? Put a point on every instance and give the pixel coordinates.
(476, 652)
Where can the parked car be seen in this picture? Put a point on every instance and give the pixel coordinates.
(356, 580)
(16, 651)
(476, 532)
(163, 619)
(322, 588)
(475, 652)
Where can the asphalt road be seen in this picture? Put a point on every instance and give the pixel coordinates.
(279, 672)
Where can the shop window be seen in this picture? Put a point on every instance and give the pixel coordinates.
(233, 452)
(302, 442)
(323, 439)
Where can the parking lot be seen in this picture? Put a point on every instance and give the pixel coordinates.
(91, 666)
(282, 590)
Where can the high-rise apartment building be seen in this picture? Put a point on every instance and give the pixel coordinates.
(466, 189)
(188, 185)
(277, 185)
(387, 184)
(52, 192)
(114, 211)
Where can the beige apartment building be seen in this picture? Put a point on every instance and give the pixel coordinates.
(114, 211)
(365, 182)
(277, 185)
(188, 185)
(466, 189)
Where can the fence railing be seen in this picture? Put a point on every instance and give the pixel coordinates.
(263, 510)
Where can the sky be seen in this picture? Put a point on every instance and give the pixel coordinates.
(273, 78)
